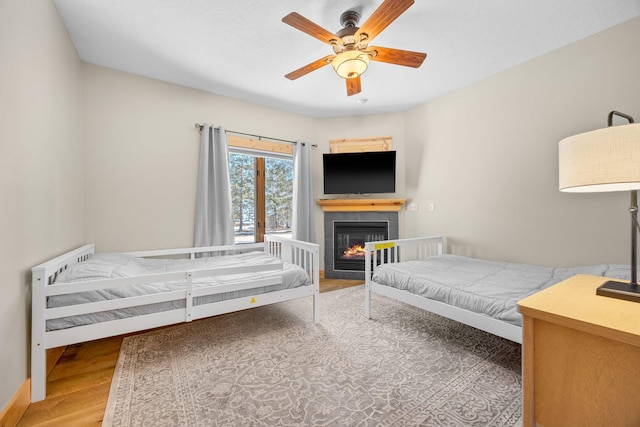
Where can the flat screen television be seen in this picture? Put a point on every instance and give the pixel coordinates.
(359, 173)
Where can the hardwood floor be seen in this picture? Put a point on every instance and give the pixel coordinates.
(78, 385)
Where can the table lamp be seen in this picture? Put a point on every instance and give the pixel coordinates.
(606, 159)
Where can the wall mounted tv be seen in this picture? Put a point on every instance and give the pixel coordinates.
(359, 173)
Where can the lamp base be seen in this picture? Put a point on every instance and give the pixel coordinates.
(620, 290)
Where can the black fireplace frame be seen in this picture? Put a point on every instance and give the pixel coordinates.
(366, 231)
(365, 216)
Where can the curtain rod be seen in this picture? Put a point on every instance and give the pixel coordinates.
(199, 126)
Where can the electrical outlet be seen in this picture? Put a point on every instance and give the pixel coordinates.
(432, 206)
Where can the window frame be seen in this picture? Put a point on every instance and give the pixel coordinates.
(259, 149)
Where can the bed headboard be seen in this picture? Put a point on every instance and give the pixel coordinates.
(47, 272)
(392, 251)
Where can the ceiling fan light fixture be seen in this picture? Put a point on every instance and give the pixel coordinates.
(351, 50)
(350, 63)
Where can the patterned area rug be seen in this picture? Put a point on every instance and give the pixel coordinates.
(272, 366)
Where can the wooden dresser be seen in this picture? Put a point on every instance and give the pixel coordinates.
(581, 357)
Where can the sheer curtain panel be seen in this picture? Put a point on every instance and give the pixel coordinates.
(214, 217)
(303, 203)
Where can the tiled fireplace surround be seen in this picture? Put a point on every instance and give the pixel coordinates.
(368, 212)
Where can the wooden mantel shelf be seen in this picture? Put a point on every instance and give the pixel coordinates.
(361, 205)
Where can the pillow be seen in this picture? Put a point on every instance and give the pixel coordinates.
(102, 266)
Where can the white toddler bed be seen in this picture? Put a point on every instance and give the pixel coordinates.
(476, 292)
(82, 296)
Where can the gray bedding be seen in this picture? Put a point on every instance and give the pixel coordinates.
(113, 265)
(491, 288)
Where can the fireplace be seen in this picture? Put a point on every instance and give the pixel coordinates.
(349, 238)
(346, 267)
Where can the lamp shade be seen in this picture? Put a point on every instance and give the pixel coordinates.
(606, 159)
(350, 63)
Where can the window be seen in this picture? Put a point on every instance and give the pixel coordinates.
(243, 184)
(261, 189)
(278, 192)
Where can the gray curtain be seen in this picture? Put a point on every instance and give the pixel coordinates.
(214, 216)
(303, 203)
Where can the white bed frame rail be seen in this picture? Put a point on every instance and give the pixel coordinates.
(305, 255)
(392, 251)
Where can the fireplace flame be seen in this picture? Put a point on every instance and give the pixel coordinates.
(355, 251)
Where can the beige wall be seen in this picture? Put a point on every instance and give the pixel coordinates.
(486, 156)
(40, 166)
(141, 155)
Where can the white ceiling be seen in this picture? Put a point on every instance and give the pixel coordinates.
(242, 49)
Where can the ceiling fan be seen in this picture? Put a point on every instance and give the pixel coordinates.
(351, 44)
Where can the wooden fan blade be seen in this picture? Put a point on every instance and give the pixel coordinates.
(310, 67)
(384, 15)
(314, 30)
(353, 86)
(397, 56)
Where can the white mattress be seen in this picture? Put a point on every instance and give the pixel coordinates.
(112, 265)
(491, 288)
